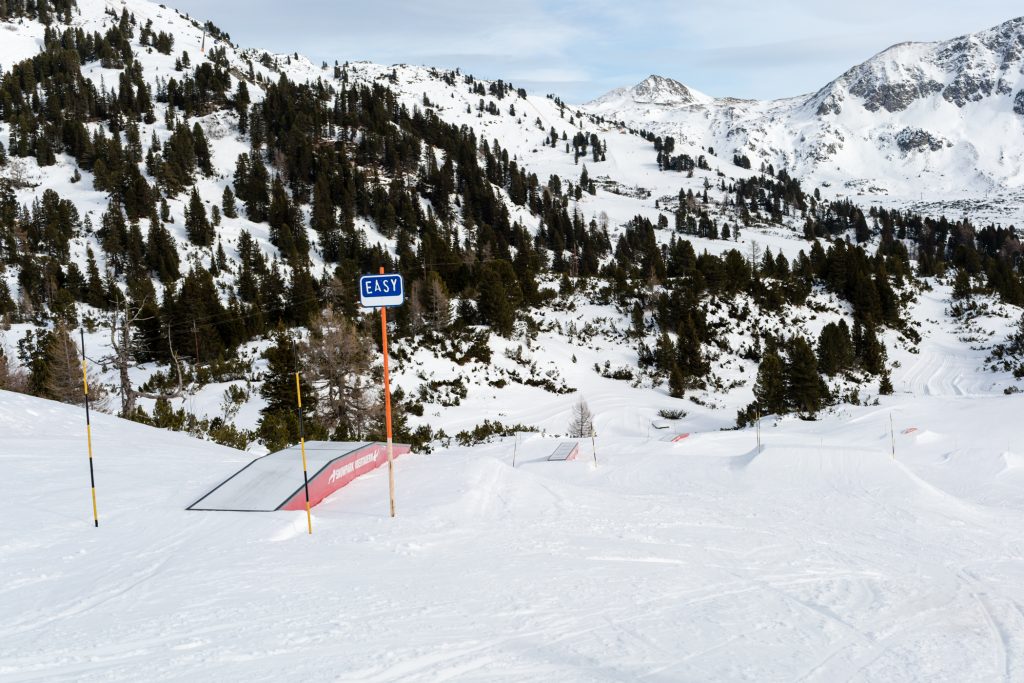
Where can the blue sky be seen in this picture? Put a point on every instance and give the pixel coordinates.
(580, 49)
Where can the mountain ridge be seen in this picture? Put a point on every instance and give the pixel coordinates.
(916, 112)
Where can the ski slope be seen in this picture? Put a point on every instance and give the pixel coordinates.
(820, 558)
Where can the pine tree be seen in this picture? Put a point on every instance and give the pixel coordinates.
(7, 305)
(770, 385)
(806, 392)
(302, 297)
(885, 384)
(665, 353)
(204, 160)
(870, 352)
(962, 285)
(113, 235)
(54, 369)
(197, 226)
(95, 292)
(228, 203)
(689, 352)
(322, 218)
(676, 382)
(282, 218)
(493, 302)
(835, 349)
(279, 425)
(278, 388)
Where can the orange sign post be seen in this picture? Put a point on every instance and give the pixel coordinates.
(382, 291)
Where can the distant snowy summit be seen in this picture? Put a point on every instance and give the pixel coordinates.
(971, 68)
(656, 90)
(966, 69)
(948, 112)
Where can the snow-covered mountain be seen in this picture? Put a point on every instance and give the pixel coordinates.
(560, 347)
(944, 118)
(655, 90)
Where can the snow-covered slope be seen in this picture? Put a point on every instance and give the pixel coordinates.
(820, 557)
(521, 125)
(628, 184)
(918, 120)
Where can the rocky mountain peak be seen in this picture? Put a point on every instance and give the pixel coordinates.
(964, 69)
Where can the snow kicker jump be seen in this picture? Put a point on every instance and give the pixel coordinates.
(566, 450)
(274, 481)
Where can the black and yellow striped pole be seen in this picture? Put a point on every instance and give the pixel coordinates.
(302, 440)
(88, 434)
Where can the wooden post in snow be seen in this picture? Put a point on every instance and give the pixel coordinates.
(387, 402)
(892, 437)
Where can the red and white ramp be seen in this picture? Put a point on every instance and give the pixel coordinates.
(274, 481)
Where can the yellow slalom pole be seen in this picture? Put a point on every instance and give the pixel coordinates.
(302, 442)
(387, 403)
(88, 434)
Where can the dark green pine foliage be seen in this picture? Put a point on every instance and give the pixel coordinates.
(179, 160)
(227, 203)
(95, 292)
(869, 349)
(302, 297)
(204, 160)
(113, 234)
(770, 388)
(495, 303)
(162, 252)
(676, 382)
(806, 391)
(251, 187)
(197, 317)
(835, 348)
(689, 351)
(279, 426)
(287, 232)
(197, 226)
(46, 11)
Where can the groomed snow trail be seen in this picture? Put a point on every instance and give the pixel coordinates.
(819, 558)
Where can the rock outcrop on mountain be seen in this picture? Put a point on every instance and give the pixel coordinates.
(939, 115)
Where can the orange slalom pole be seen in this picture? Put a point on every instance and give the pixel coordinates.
(302, 441)
(88, 435)
(387, 403)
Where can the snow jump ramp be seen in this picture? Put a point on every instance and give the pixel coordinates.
(566, 450)
(274, 481)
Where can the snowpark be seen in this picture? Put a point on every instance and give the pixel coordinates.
(820, 558)
(881, 540)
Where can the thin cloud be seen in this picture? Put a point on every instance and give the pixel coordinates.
(585, 47)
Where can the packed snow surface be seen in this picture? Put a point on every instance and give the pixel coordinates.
(820, 557)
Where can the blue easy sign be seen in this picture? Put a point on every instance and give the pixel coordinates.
(381, 291)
